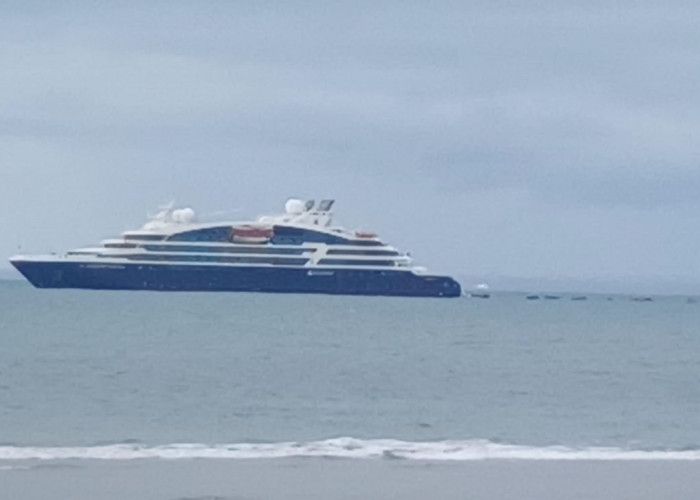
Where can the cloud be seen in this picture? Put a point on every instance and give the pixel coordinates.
(561, 101)
(581, 108)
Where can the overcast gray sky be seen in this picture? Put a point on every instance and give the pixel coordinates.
(489, 138)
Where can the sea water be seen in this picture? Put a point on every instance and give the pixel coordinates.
(133, 375)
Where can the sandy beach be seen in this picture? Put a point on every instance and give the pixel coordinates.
(317, 479)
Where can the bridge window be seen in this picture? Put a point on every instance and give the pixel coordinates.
(355, 262)
(144, 237)
(383, 253)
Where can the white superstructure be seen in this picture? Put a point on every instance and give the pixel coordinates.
(304, 235)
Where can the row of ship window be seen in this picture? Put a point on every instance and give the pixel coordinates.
(251, 250)
(257, 260)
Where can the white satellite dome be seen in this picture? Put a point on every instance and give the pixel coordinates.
(183, 215)
(294, 206)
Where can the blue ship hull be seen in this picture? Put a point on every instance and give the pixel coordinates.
(173, 277)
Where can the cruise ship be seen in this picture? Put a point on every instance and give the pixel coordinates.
(299, 251)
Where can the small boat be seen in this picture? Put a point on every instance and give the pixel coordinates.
(579, 297)
(533, 297)
(481, 293)
(552, 297)
(641, 299)
(365, 234)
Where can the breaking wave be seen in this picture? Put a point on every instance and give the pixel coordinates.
(344, 448)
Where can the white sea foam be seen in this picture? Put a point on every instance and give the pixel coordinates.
(344, 448)
(14, 467)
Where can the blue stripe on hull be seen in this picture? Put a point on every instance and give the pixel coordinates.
(235, 279)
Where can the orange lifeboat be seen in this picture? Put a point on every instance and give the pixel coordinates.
(365, 234)
(249, 234)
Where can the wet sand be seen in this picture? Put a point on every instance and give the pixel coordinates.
(316, 479)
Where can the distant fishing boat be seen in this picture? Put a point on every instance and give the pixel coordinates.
(482, 292)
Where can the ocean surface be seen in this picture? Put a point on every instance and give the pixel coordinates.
(134, 376)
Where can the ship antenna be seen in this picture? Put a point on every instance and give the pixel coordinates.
(163, 210)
